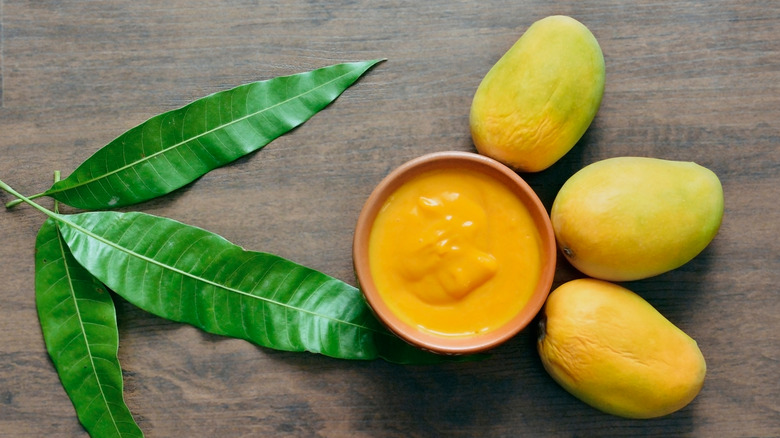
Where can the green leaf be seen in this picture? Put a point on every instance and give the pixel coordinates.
(173, 149)
(78, 320)
(187, 274)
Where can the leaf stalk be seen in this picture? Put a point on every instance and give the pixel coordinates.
(26, 200)
(57, 177)
(16, 202)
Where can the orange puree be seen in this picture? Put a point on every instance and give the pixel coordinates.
(454, 253)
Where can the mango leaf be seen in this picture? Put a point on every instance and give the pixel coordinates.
(186, 274)
(173, 149)
(79, 326)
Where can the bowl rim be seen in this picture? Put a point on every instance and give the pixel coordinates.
(490, 167)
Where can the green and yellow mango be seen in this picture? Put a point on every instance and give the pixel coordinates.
(629, 218)
(537, 101)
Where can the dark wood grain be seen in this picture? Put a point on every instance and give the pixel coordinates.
(687, 80)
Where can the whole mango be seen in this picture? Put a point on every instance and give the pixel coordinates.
(611, 349)
(537, 101)
(629, 218)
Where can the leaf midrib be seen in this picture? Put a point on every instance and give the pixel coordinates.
(193, 138)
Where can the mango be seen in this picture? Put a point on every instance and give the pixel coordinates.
(611, 349)
(538, 100)
(629, 218)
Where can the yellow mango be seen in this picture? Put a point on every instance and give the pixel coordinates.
(629, 218)
(611, 349)
(537, 101)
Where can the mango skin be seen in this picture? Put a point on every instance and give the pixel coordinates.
(537, 101)
(611, 349)
(629, 218)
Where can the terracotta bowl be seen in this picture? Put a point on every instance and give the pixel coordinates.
(490, 167)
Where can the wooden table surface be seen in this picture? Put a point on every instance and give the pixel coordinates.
(688, 80)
